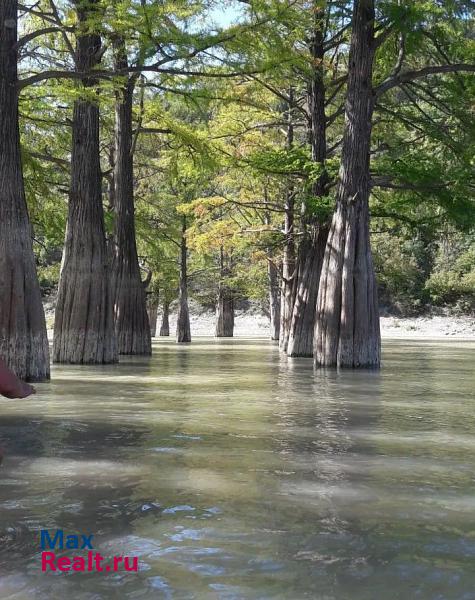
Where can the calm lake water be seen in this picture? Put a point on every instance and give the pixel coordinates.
(234, 473)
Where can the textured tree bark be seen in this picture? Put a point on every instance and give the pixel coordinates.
(152, 310)
(274, 299)
(312, 248)
(165, 326)
(23, 340)
(132, 325)
(289, 276)
(303, 317)
(274, 280)
(183, 333)
(224, 315)
(347, 330)
(84, 324)
(288, 284)
(224, 303)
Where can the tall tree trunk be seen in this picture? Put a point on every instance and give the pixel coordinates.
(152, 310)
(289, 275)
(274, 278)
(183, 333)
(132, 325)
(315, 235)
(289, 258)
(347, 330)
(23, 340)
(110, 177)
(224, 303)
(274, 299)
(84, 324)
(165, 326)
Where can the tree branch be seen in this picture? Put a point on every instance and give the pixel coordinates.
(34, 34)
(407, 76)
(64, 164)
(63, 30)
(156, 130)
(53, 74)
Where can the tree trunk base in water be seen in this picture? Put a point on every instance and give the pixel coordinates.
(23, 339)
(347, 332)
(84, 321)
(183, 331)
(165, 325)
(152, 310)
(224, 317)
(305, 306)
(274, 301)
(131, 319)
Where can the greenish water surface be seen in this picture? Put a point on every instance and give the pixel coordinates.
(235, 473)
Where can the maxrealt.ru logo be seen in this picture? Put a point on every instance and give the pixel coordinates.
(92, 562)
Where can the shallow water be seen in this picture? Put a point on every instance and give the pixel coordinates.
(233, 473)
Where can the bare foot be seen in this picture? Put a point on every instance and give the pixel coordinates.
(26, 390)
(11, 386)
(22, 390)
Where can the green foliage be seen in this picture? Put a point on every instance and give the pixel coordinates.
(453, 280)
(399, 273)
(210, 125)
(285, 161)
(48, 277)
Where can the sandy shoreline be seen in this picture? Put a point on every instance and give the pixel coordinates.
(437, 327)
(252, 323)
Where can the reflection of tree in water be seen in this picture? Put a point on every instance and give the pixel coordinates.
(321, 492)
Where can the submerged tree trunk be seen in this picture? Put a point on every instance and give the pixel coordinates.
(224, 303)
(132, 325)
(23, 340)
(315, 235)
(152, 310)
(347, 330)
(289, 259)
(274, 299)
(165, 326)
(183, 333)
(84, 324)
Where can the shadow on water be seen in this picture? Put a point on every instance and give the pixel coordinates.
(65, 475)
